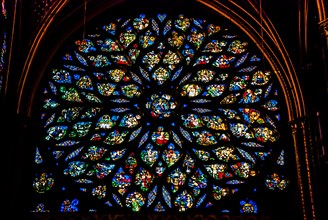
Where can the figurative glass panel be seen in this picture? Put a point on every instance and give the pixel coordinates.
(159, 114)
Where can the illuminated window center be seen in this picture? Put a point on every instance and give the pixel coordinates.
(161, 105)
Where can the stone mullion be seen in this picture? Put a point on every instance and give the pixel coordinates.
(302, 150)
(323, 28)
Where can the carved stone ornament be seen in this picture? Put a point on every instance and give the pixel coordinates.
(324, 27)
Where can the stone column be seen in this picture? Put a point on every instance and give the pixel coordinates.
(304, 166)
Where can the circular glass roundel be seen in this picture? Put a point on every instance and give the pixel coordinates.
(157, 113)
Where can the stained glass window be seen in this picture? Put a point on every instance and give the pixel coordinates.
(161, 114)
(3, 42)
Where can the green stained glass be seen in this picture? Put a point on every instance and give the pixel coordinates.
(158, 114)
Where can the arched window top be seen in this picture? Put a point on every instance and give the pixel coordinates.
(162, 114)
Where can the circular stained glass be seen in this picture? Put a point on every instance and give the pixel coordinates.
(157, 113)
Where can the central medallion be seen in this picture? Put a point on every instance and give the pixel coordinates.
(161, 105)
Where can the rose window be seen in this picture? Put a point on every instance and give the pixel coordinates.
(156, 113)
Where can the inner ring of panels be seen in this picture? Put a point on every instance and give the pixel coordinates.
(155, 113)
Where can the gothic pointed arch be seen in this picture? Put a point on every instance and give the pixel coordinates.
(162, 110)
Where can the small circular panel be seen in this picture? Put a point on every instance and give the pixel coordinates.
(161, 105)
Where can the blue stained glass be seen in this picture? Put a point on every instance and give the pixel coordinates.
(158, 115)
